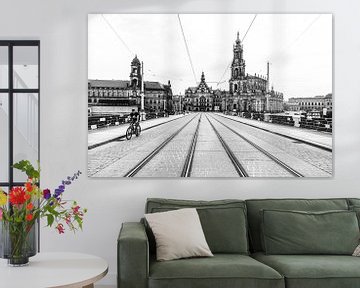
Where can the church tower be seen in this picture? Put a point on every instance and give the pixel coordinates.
(237, 66)
(135, 74)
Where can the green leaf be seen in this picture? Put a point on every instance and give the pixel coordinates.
(52, 211)
(28, 168)
(50, 219)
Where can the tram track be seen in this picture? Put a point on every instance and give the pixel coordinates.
(266, 153)
(186, 172)
(132, 172)
(237, 165)
(322, 147)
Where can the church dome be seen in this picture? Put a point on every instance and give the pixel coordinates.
(135, 61)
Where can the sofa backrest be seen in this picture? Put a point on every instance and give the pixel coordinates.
(256, 205)
(353, 202)
(223, 221)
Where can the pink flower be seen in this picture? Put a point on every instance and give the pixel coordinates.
(76, 210)
(1, 213)
(68, 219)
(60, 228)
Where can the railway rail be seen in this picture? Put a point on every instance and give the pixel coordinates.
(268, 154)
(280, 134)
(152, 154)
(186, 172)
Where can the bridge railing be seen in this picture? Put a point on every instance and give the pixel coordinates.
(319, 123)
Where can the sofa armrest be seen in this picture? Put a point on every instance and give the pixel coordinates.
(133, 256)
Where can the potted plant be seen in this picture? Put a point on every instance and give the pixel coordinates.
(21, 208)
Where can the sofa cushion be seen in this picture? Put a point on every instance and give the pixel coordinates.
(297, 232)
(178, 234)
(223, 221)
(254, 217)
(222, 270)
(313, 271)
(356, 209)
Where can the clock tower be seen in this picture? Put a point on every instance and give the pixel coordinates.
(135, 74)
(237, 66)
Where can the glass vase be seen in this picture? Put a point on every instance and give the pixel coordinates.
(18, 242)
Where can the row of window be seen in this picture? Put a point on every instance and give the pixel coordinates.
(119, 101)
(311, 103)
(197, 100)
(116, 92)
(154, 107)
(154, 101)
(109, 93)
(249, 87)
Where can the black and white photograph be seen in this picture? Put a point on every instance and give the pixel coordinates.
(210, 95)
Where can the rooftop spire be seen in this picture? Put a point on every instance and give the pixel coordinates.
(202, 76)
(237, 42)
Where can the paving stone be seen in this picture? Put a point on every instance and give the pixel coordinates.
(210, 159)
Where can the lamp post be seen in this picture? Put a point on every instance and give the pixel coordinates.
(142, 92)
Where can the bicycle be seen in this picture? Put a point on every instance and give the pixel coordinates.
(133, 129)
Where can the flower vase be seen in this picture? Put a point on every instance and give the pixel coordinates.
(18, 242)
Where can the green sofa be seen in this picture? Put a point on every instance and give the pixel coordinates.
(234, 232)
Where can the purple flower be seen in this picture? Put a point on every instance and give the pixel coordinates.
(46, 194)
(58, 192)
(68, 181)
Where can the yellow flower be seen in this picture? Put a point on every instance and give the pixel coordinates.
(3, 198)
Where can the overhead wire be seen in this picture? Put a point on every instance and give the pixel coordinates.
(152, 73)
(287, 47)
(117, 35)
(242, 40)
(123, 42)
(187, 48)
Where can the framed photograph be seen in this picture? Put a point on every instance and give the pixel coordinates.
(210, 95)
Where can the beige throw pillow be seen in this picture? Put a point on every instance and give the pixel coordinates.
(357, 251)
(178, 234)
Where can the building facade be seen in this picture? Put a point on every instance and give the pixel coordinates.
(250, 93)
(308, 104)
(178, 103)
(247, 93)
(200, 98)
(119, 97)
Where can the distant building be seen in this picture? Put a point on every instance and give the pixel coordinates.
(246, 93)
(178, 103)
(119, 97)
(328, 101)
(250, 93)
(199, 98)
(308, 104)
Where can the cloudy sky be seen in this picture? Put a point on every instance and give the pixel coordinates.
(298, 46)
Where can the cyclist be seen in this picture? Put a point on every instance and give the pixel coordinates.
(134, 118)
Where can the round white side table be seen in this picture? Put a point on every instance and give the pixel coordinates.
(50, 270)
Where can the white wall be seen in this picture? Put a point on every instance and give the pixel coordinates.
(62, 28)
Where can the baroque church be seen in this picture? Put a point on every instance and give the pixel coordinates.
(247, 93)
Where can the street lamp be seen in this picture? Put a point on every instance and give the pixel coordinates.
(142, 92)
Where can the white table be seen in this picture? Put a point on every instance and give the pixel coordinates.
(60, 270)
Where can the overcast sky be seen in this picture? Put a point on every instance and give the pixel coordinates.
(298, 46)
